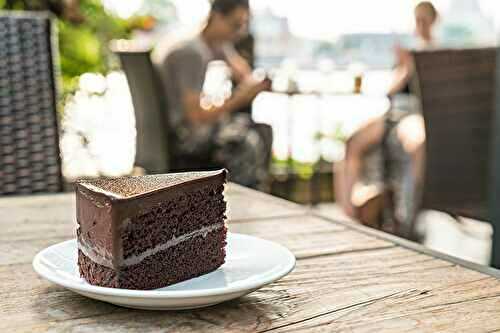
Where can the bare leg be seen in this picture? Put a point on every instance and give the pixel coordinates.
(411, 133)
(356, 148)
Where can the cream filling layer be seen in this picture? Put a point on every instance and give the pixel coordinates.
(102, 259)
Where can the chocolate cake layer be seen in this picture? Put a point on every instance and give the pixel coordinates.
(124, 223)
(174, 218)
(184, 261)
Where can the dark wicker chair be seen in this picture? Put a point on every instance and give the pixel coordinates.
(152, 150)
(156, 151)
(29, 139)
(457, 92)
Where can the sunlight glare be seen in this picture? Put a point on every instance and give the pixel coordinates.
(123, 8)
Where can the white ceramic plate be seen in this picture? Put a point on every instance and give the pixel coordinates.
(251, 263)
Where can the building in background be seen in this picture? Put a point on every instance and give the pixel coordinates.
(464, 25)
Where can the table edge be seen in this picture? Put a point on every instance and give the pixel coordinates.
(488, 270)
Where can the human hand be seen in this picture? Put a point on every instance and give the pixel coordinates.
(250, 88)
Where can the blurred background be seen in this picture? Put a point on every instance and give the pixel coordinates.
(320, 45)
(331, 62)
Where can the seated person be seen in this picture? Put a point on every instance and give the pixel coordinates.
(402, 133)
(225, 137)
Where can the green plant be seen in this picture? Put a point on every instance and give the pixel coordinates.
(337, 135)
(85, 29)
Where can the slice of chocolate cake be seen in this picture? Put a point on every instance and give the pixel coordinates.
(152, 231)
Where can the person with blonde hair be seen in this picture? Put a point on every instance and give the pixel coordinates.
(362, 189)
(426, 17)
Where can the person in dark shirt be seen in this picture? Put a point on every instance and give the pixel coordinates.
(227, 139)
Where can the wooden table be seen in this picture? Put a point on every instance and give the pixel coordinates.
(348, 278)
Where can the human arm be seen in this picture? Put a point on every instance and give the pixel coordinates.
(240, 68)
(187, 71)
(403, 72)
(244, 95)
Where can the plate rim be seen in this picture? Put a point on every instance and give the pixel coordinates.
(41, 269)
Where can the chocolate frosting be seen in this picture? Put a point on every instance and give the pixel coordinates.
(130, 187)
(105, 206)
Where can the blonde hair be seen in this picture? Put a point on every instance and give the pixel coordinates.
(429, 7)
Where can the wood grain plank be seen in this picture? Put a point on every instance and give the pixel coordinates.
(487, 270)
(25, 231)
(417, 310)
(310, 236)
(23, 251)
(247, 205)
(37, 216)
(346, 279)
(323, 293)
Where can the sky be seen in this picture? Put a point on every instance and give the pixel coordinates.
(323, 19)
(327, 18)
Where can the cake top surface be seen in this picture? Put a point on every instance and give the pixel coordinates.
(129, 187)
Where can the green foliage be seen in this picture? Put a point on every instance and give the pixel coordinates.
(337, 135)
(84, 46)
(84, 32)
(303, 170)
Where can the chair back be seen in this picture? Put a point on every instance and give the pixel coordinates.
(494, 206)
(457, 92)
(29, 140)
(152, 151)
